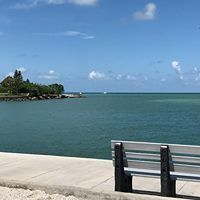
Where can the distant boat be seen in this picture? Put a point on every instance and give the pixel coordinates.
(105, 92)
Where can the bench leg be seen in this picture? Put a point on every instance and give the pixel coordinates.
(173, 188)
(123, 183)
(168, 186)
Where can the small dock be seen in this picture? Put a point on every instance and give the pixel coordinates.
(72, 95)
(84, 178)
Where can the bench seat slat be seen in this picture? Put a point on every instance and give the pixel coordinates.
(144, 146)
(178, 175)
(179, 168)
(186, 159)
(182, 168)
(156, 173)
(141, 164)
(141, 172)
(140, 155)
(140, 146)
(156, 157)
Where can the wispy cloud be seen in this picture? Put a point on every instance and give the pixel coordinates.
(177, 67)
(188, 77)
(149, 12)
(196, 74)
(131, 77)
(22, 69)
(10, 74)
(79, 34)
(96, 75)
(27, 5)
(68, 34)
(33, 3)
(51, 74)
(84, 2)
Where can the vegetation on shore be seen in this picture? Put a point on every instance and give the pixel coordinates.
(16, 86)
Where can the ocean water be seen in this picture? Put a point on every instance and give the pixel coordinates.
(84, 127)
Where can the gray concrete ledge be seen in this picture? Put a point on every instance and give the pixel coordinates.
(81, 193)
(90, 179)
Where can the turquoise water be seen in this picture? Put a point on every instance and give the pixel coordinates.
(84, 127)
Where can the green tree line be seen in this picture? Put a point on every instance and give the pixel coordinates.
(16, 85)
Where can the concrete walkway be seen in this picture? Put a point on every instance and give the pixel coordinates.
(67, 172)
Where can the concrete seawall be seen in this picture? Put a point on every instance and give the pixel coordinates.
(85, 178)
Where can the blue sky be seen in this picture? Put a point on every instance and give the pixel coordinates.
(103, 45)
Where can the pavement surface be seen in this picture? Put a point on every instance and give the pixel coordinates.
(86, 174)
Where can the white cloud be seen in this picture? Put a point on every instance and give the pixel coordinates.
(96, 75)
(88, 37)
(196, 69)
(197, 78)
(71, 33)
(149, 12)
(25, 5)
(131, 77)
(79, 34)
(10, 74)
(84, 2)
(51, 74)
(33, 3)
(22, 69)
(119, 76)
(68, 34)
(177, 67)
(54, 1)
(196, 74)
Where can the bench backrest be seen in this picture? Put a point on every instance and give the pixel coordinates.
(142, 155)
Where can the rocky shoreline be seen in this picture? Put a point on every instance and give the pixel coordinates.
(41, 97)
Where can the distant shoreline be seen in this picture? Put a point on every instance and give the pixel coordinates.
(35, 98)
